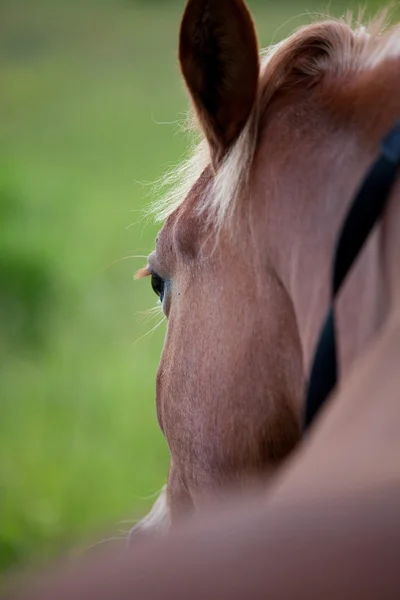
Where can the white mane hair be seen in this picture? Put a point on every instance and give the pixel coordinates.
(346, 47)
(157, 521)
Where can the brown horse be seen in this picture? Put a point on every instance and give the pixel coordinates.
(242, 268)
(242, 262)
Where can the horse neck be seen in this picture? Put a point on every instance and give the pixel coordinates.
(325, 177)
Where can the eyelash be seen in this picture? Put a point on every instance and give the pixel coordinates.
(158, 285)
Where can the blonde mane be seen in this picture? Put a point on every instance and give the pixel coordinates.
(330, 46)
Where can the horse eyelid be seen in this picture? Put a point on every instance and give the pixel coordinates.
(143, 272)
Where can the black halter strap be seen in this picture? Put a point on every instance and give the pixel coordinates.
(361, 218)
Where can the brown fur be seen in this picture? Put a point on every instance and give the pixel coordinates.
(218, 54)
(244, 310)
(244, 313)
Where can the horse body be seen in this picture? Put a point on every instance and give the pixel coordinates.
(242, 266)
(245, 257)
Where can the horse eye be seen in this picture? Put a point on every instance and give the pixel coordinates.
(158, 285)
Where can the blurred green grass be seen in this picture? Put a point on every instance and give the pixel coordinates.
(90, 96)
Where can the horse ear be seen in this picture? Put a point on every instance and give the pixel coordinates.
(219, 58)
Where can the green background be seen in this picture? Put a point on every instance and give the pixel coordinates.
(91, 104)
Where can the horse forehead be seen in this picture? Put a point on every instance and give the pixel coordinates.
(179, 235)
(184, 228)
(165, 235)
